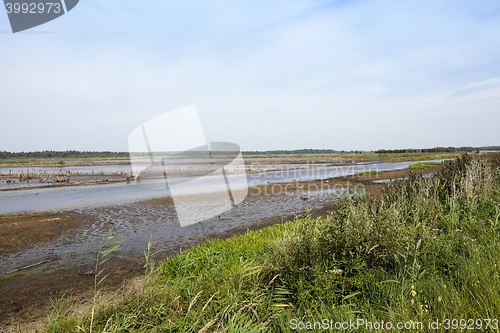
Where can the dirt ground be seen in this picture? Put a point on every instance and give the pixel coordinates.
(25, 298)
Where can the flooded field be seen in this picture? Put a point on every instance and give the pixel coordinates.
(62, 227)
(135, 223)
(31, 177)
(66, 197)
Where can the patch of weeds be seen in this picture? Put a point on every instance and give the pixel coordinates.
(424, 165)
(364, 173)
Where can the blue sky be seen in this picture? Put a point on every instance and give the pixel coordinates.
(347, 75)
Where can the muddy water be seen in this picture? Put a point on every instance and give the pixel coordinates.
(120, 209)
(118, 168)
(95, 174)
(64, 198)
(135, 223)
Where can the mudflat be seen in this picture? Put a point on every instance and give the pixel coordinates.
(25, 295)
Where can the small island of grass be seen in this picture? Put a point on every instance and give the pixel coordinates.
(364, 173)
(424, 165)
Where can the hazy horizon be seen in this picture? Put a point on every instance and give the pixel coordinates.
(273, 150)
(344, 75)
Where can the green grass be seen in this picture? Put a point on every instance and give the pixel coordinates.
(424, 165)
(363, 156)
(371, 172)
(428, 250)
(16, 161)
(434, 157)
(418, 157)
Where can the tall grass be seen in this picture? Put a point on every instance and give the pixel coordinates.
(427, 250)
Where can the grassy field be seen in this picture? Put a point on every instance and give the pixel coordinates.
(421, 157)
(401, 157)
(426, 251)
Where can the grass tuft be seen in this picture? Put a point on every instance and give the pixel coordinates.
(363, 173)
(424, 165)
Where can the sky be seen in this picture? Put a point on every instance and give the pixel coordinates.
(266, 75)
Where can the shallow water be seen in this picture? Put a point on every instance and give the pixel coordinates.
(136, 223)
(117, 208)
(95, 174)
(65, 198)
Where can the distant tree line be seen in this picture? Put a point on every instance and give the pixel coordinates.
(490, 148)
(435, 150)
(62, 154)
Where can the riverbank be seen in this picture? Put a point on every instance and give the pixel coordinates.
(26, 294)
(426, 251)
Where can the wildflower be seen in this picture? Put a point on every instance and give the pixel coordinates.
(414, 293)
(439, 299)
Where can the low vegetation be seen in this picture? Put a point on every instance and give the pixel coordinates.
(424, 165)
(365, 173)
(314, 154)
(427, 250)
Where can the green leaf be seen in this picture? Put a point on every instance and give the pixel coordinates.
(98, 283)
(389, 281)
(351, 295)
(281, 305)
(99, 273)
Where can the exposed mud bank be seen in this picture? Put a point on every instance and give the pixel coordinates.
(70, 240)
